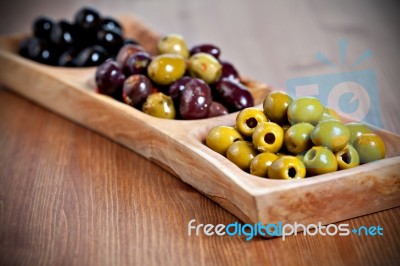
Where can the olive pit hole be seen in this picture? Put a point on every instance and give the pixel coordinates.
(251, 122)
(346, 157)
(269, 138)
(291, 172)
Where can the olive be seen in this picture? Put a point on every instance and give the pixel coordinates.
(205, 66)
(40, 51)
(64, 34)
(109, 77)
(195, 100)
(357, 129)
(331, 134)
(42, 27)
(276, 105)
(67, 58)
(260, 164)
(112, 40)
(206, 48)
(297, 138)
(109, 23)
(125, 52)
(91, 56)
(268, 137)
(287, 167)
(248, 119)
(241, 153)
(347, 157)
(217, 109)
(159, 105)
(329, 114)
(305, 109)
(370, 147)
(233, 95)
(87, 18)
(137, 63)
(177, 87)
(229, 71)
(136, 89)
(220, 138)
(320, 160)
(166, 68)
(173, 44)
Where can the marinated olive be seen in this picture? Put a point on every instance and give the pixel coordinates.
(217, 109)
(136, 89)
(205, 67)
(241, 153)
(370, 147)
(233, 95)
(109, 77)
(173, 44)
(206, 48)
(220, 138)
(137, 63)
(229, 71)
(331, 134)
(347, 157)
(297, 138)
(357, 129)
(159, 105)
(177, 87)
(125, 52)
(320, 160)
(276, 105)
(268, 137)
(260, 164)
(248, 119)
(305, 109)
(166, 68)
(287, 167)
(195, 100)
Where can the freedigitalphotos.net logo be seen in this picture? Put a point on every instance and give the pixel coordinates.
(280, 229)
(352, 93)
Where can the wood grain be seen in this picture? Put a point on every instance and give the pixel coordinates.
(71, 197)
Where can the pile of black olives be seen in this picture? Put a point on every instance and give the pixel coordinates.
(177, 83)
(292, 139)
(87, 41)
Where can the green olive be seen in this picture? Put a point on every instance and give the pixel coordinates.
(297, 138)
(205, 67)
(370, 147)
(329, 114)
(248, 119)
(159, 105)
(173, 44)
(320, 160)
(331, 134)
(287, 167)
(166, 68)
(268, 137)
(347, 157)
(260, 164)
(241, 153)
(221, 137)
(305, 109)
(357, 129)
(276, 105)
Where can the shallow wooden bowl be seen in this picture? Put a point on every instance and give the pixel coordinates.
(178, 146)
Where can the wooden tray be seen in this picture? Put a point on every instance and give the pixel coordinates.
(178, 146)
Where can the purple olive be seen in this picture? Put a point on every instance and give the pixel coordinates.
(136, 89)
(176, 88)
(195, 100)
(126, 51)
(217, 109)
(206, 48)
(229, 71)
(233, 95)
(137, 63)
(109, 77)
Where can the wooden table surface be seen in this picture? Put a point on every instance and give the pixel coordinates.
(69, 196)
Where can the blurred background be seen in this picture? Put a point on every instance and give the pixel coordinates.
(269, 41)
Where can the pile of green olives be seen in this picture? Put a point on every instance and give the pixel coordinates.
(177, 83)
(293, 139)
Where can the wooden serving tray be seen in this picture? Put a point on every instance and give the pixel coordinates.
(178, 146)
